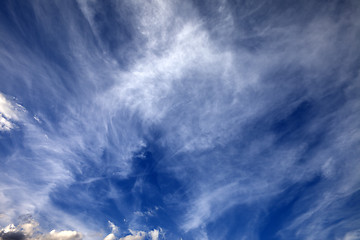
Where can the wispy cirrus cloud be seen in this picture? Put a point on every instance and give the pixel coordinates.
(244, 104)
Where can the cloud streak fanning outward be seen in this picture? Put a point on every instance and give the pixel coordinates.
(179, 120)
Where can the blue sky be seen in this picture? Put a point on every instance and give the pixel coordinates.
(136, 120)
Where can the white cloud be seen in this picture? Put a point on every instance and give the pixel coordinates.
(135, 235)
(63, 235)
(9, 113)
(154, 234)
(30, 231)
(114, 228)
(140, 235)
(354, 235)
(111, 236)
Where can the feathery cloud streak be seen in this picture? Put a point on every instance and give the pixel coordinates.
(196, 113)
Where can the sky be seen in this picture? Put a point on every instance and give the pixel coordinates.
(179, 120)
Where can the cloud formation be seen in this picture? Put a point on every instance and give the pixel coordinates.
(140, 235)
(135, 235)
(29, 231)
(214, 114)
(352, 235)
(9, 113)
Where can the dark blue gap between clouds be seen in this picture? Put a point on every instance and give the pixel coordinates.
(141, 194)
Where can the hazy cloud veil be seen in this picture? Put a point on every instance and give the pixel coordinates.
(156, 119)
